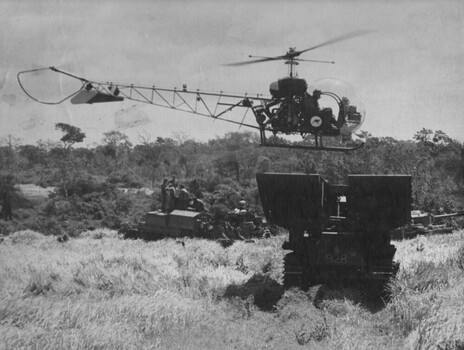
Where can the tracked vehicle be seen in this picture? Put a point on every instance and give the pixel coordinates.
(337, 233)
(178, 223)
(189, 223)
(423, 223)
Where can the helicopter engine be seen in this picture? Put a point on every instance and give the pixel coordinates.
(285, 109)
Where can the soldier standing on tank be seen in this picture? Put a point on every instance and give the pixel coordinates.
(183, 198)
(199, 205)
(173, 182)
(164, 187)
(171, 198)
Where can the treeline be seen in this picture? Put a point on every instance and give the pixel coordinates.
(221, 171)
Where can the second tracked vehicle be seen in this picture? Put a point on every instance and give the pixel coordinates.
(337, 233)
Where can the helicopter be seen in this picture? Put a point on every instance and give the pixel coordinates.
(293, 107)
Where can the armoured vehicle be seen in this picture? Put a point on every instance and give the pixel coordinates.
(236, 225)
(337, 233)
(423, 223)
(177, 223)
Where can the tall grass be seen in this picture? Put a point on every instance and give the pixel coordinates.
(428, 292)
(101, 292)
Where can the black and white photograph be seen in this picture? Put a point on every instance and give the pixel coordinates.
(231, 174)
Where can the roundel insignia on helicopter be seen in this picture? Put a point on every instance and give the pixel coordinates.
(315, 121)
(345, 103)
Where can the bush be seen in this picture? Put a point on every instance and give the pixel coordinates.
(27, 237)
(5, 228)
(211, 181)
(100, 233)
(89, 204)
(194, 187)
(125, 178)
(78, 186)
(47, 225)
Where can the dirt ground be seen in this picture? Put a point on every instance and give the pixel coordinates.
(33, 192)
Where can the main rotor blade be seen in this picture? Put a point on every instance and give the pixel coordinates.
(293, 55)
(264, 59)
(317, 61)
(334, 40)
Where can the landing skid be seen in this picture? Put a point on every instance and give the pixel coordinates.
(318, 146)
(315, 148)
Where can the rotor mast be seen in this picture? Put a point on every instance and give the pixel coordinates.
(291, 61)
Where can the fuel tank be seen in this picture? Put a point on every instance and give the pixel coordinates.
(289, 86)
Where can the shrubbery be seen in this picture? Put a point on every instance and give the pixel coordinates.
(125, 178)
(221, 172)
(89, 204)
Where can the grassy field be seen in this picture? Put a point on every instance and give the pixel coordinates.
(101, 292)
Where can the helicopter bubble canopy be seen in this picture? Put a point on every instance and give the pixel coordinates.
(337, 94)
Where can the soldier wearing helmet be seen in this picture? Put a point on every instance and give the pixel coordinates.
(316, 96)
(242, 204)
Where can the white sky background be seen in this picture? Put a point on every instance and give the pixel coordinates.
(409, 70)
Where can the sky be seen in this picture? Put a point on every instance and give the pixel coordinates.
(408, 70)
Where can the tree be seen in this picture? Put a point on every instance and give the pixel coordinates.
(71, 135)
(117, 146)
(441, 138)
(154, 156)
(238, 156)
(229, 165)
(362, 134)
(7, 152)
(423, 135)
(263, 164)
(7, 192)
(33, 154)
